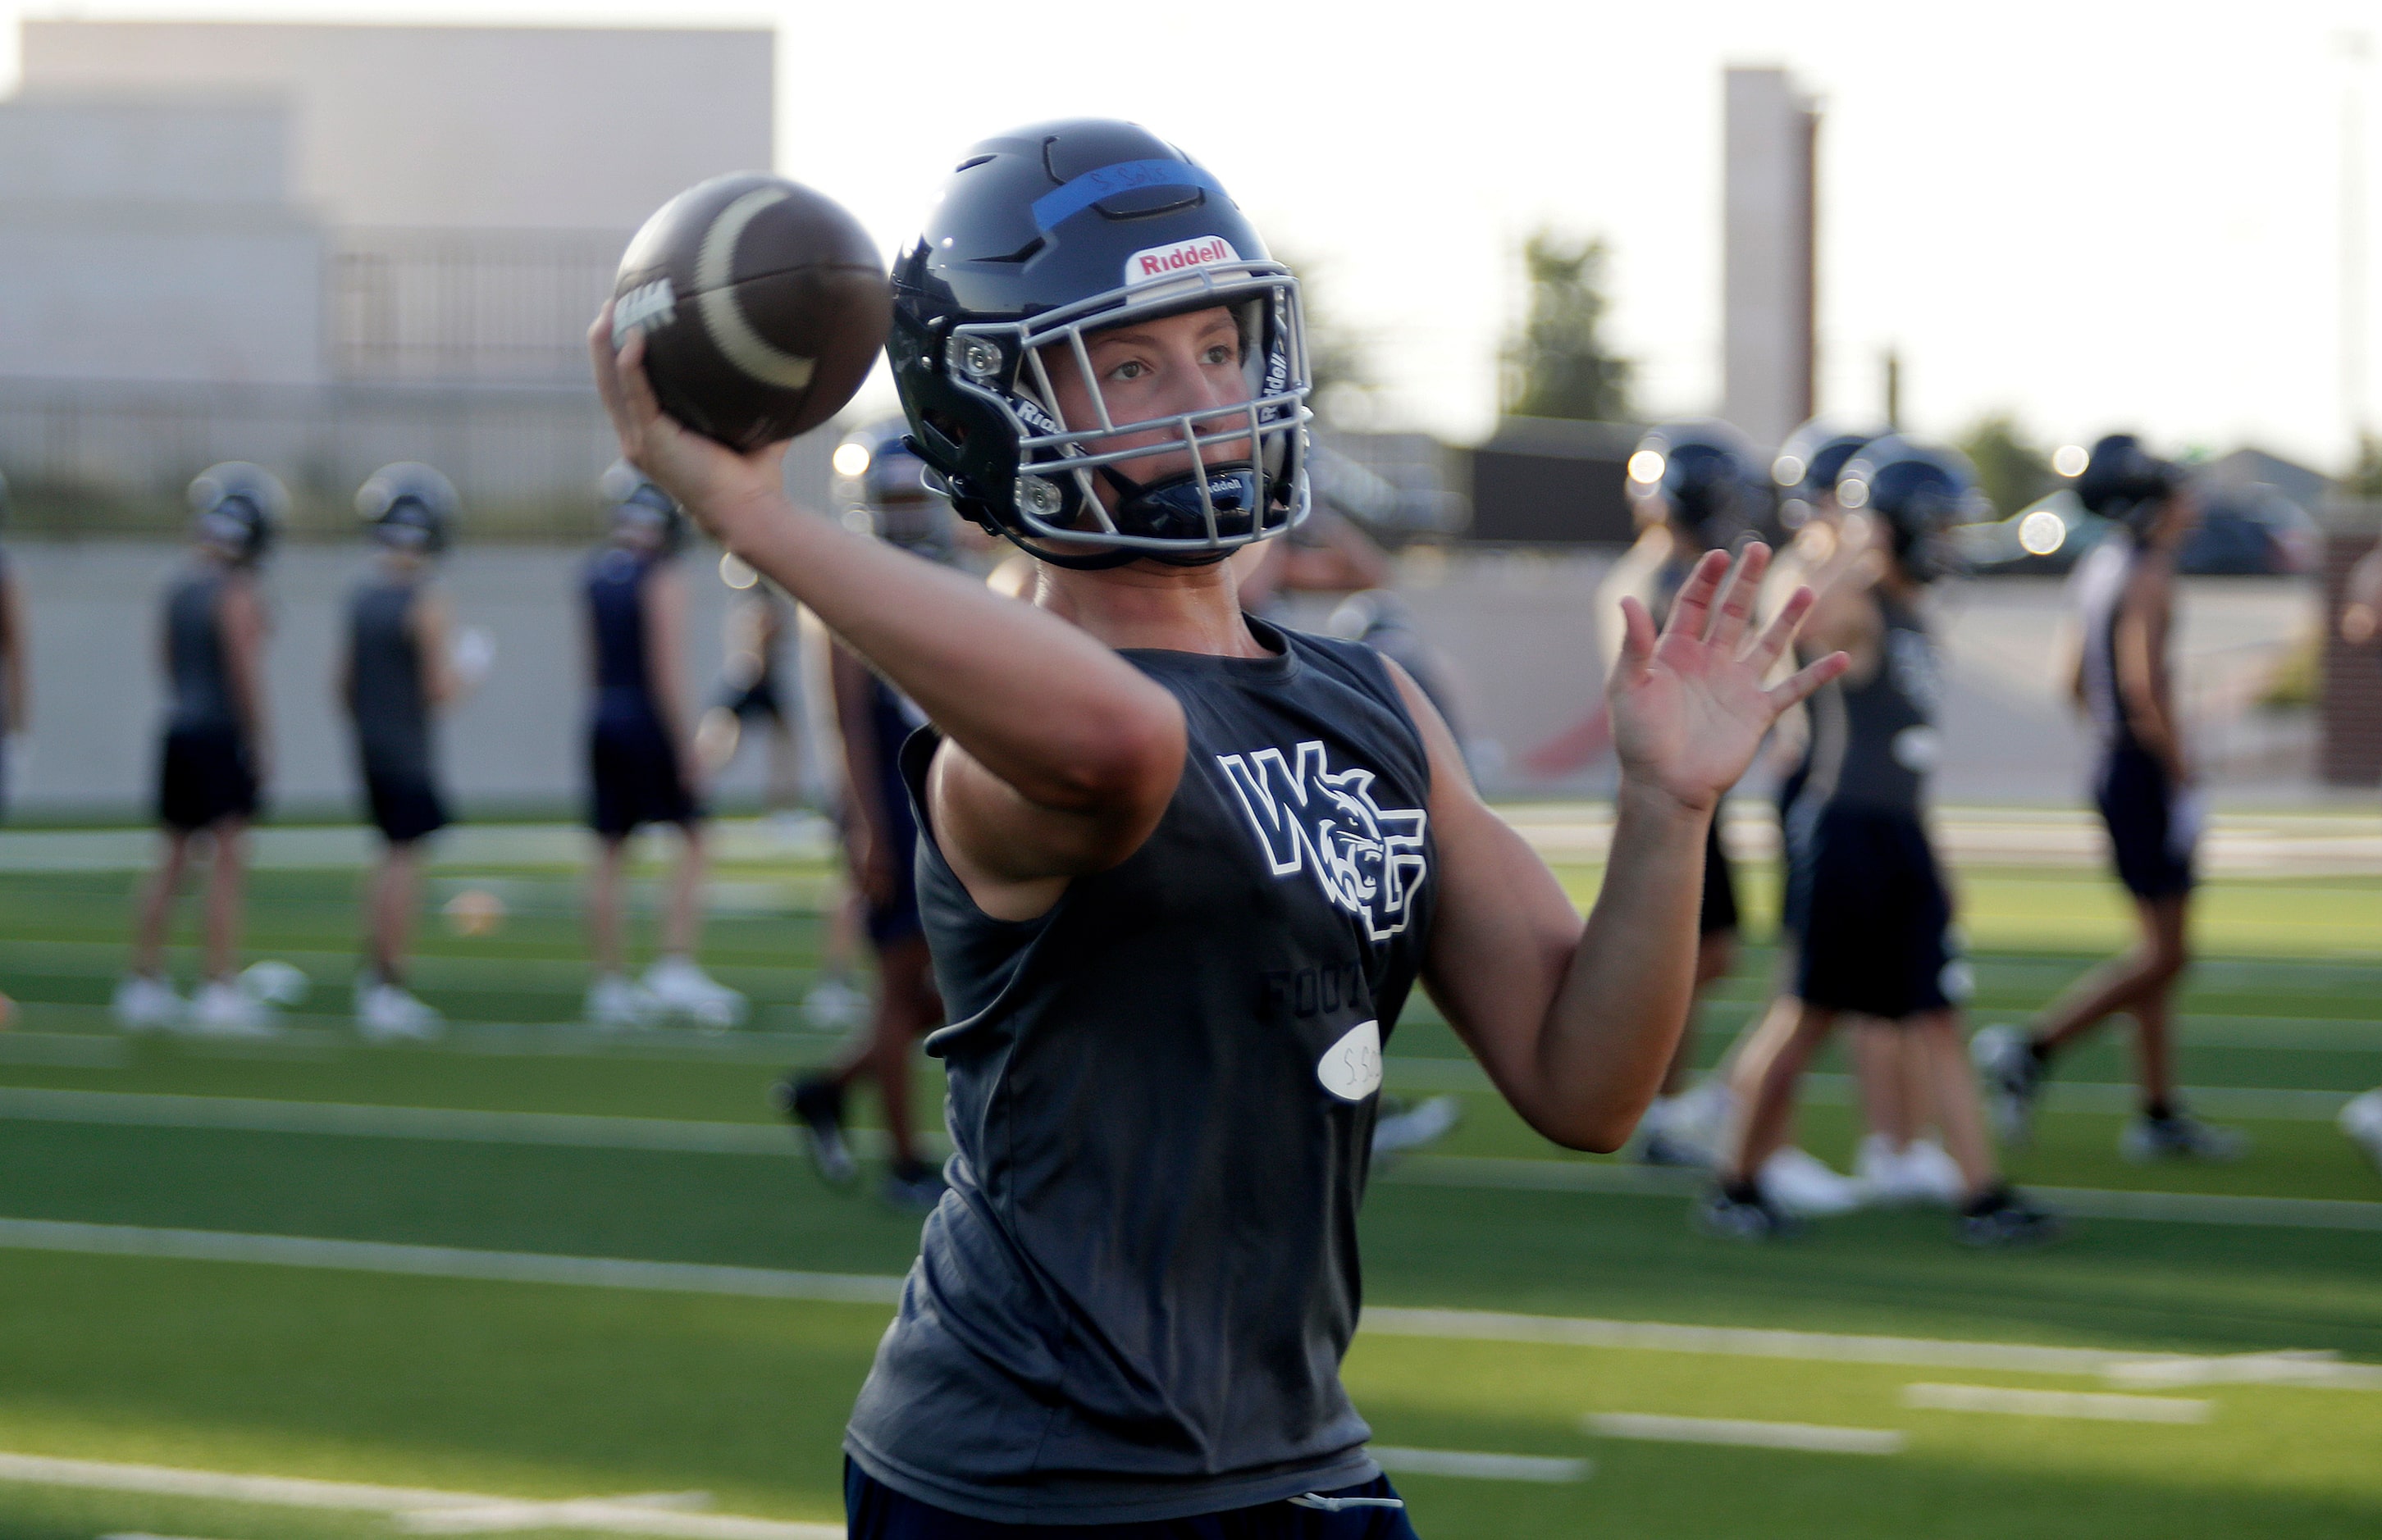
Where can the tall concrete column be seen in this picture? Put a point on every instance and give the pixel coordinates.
(1769, 281)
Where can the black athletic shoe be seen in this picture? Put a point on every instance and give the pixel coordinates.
(915, 1187)
(2179, 1136)
(1741, 1214)
(2012, 1077)
(815, 1103)
(2003, 1218)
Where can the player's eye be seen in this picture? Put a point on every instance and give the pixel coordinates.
(1131, 369)
(1225, 352)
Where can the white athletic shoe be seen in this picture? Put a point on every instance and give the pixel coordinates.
(1802, 1184)
(833, 1006)
(1411, 1128)
(276, 983)
(614, 1001)
(221, 1010)
(146, 1004)
(1919, 1173)
(1684, 1130)
(386, 1013)
(2362, 1121)
(681, 988)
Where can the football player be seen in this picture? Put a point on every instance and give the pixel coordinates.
(16, 674)
(215, 760)
(393, 676)
(888, 496)
(641, 760)
(1179, 869)
(1871, 914)
(2143, 787)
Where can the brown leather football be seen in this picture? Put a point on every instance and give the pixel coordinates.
(763, 304)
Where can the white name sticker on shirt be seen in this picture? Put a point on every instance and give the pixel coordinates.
(1351, 1068)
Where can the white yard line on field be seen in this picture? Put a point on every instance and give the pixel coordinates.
(1479, 1326)
(1486, 1467)
(421, 1508)
(1813, 1436)
(2088, 1405)
(347, 1119)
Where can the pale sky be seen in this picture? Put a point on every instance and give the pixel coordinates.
(2091, 214)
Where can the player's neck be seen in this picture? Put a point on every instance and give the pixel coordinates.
(1171, 610)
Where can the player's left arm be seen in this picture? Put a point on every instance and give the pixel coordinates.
(432, 648)
(665, 605)
(1575, 1022)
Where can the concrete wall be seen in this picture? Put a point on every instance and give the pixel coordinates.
(1767, 273)
(441, 126)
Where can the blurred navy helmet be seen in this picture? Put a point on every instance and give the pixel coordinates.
(1699, 474)
(238, 509)
(1808, 465)
(2124, 481)
(1051, 233)
(1919, 491)
(409, 506)
(883, 488)
(643, 510)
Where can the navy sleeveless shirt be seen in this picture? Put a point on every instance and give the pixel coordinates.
(1133, 1303)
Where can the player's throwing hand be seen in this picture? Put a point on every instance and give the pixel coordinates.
(1688, 707)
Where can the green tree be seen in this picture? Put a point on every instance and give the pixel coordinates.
(2366, 477)
(2012, 470)
(1337, 353)
(1558, 365)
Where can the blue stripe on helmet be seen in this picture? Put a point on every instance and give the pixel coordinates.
(1108, 181)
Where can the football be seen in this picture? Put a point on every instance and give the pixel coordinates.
(763, 306)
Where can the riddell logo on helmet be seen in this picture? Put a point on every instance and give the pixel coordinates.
(1164, 262)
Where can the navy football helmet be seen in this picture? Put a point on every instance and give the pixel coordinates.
(1042, 237)
(2124, 481)
(239, 508)
(1699, 474)
(1919, 492)
(1808, 465)
(883, 488)
(638, 503)
(409, 506)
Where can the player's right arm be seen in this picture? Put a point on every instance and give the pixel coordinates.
(12, 654)
(1058, 757)
(2144, 694)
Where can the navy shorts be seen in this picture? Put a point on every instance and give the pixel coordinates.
(405, 805)
(1874, 922)
(635, 776)
(2137, 803)
(1717, 914)
(204, 776)
(875, 1511)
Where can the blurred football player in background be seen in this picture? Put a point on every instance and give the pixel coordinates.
(2361, 627)
(642, 762)
(2125, 596)
(883, 492)
(16, 683)
(394, 674)
(757, 689)
(1871, 912)
(215, 759)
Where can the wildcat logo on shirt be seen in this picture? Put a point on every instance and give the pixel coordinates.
(1310, 818)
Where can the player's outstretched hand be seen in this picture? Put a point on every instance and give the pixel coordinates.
(722, 490)
(1688, 707)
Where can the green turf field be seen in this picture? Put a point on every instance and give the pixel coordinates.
(378, 1349)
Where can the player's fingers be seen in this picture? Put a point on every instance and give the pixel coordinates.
(1772, 644)
(1692, 607)
(606, 367)
(1733, 611)
(1637, 639)
(1799, 686)
(645, 408)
